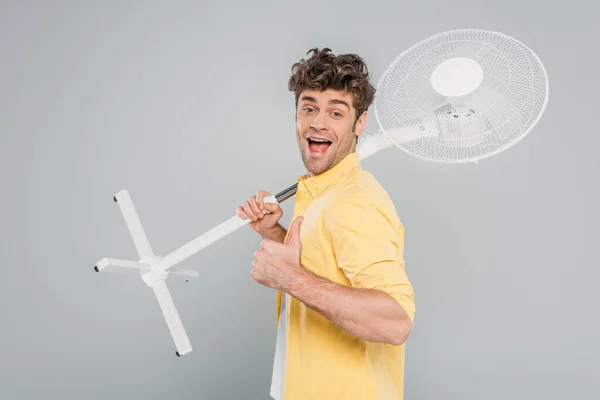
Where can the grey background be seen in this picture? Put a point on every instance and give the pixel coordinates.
(186, 106)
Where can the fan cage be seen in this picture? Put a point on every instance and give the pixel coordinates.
(500, 112)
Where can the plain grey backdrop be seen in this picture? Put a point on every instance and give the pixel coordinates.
(185, 104)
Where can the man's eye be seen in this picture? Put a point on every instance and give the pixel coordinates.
(337, 114)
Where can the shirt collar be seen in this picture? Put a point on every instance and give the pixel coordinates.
(318, 183)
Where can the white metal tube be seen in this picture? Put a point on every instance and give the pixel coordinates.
(117, 265)
(180, 338)
(208, 238)
(134, 225)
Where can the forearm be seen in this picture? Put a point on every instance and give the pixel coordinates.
(370, 314)
(277, 233)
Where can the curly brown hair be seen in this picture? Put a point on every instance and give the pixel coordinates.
(324, 70)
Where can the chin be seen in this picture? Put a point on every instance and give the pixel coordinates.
(317, 170)
(318, 165)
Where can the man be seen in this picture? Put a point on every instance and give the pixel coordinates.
(345, 306)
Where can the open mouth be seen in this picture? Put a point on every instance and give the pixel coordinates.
(318, 146)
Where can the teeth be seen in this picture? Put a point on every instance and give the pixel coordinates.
(319, 140)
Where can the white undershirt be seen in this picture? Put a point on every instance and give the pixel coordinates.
(279, 362)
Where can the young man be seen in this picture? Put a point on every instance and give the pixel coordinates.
(345, 305)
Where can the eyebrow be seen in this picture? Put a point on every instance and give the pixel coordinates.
(334, 101)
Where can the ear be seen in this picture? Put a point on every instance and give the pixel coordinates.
(360, 124)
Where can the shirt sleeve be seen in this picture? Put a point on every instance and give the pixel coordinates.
(368, 240)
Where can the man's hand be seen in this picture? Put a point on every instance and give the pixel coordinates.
(266, 225)
(277, 265)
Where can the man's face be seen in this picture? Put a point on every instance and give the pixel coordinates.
(324, 128)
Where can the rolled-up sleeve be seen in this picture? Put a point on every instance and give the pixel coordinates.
(368, 240)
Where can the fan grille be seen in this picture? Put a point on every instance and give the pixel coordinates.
(501, 111)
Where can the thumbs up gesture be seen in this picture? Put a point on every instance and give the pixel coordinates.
(277, 265)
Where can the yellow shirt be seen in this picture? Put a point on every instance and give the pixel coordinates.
(351, 235)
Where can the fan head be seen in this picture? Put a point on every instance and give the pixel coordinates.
(461, 96)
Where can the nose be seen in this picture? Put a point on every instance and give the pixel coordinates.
(319, 122)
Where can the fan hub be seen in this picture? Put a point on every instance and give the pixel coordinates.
(457, 77)
(459, 115)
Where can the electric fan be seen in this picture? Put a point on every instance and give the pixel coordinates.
(459, 96)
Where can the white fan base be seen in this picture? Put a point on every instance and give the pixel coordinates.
(153, 273)
(457, 77)
(155, 270)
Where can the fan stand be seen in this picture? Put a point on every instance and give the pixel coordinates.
(151, 271)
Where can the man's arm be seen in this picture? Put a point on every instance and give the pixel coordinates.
(367, 239)
(370, 314)
(277, 233)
